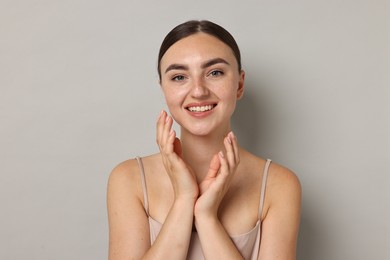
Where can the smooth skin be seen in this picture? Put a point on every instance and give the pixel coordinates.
(204, 179)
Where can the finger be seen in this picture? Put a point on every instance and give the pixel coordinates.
(177, 147)
(166, 131)
(236, 150)
(214, 167)
(224, 172)
(170, 145)
(168, 150)
(160, 127)
(229, 151)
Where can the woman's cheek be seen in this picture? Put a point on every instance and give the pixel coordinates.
(174, 102)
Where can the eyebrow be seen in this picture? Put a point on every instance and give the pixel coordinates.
(213, 62)
(176, 67)
(208, 63)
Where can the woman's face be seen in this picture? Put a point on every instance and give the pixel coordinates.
(201, 83)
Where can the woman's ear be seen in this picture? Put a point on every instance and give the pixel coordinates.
(241, 81)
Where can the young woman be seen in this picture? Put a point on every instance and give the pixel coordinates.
(202, 196)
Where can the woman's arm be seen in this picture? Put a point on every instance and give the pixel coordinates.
(215, 241)
(280, 224)
(128, 223)
(129, 226)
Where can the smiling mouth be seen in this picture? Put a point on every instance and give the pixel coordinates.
(201, 108)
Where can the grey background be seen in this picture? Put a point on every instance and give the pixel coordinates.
(79, 94)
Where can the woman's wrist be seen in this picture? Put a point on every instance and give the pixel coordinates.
(205, 217)
(185, 202)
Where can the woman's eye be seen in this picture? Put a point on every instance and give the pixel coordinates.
(216, 73)
(178, 78)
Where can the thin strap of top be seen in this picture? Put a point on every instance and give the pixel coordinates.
(263, 185)
(144, 189)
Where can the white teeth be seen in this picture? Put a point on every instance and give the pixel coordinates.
(200, 108)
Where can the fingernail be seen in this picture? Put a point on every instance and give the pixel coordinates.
(221, 154)
(166, 119)
(232, 134)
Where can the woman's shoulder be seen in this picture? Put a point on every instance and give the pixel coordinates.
(283, 178)
(280, 178)
(277, 173)
(282, 186)
(128, 171)
(283, 190)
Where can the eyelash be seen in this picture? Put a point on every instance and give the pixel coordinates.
(216, 73)
(178, 78)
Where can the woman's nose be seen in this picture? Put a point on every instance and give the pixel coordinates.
(199, 89)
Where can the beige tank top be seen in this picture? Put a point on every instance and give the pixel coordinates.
(248, 244)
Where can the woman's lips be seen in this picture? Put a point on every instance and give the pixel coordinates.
(200, 108)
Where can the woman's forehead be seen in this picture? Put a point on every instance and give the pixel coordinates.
(197, 48)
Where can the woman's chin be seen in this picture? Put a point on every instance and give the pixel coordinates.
(198, 131)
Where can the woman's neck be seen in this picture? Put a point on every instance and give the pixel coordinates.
(199, 150)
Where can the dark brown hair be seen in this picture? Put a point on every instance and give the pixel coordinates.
(192, 27)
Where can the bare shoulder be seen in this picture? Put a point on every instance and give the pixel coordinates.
(124, 171)
(126, 175)
(281, 215)
(282, 177)
(122, 186)
(278, 175)
(283, 188)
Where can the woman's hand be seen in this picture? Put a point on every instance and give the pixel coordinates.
(181, 176)
(217, 181)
